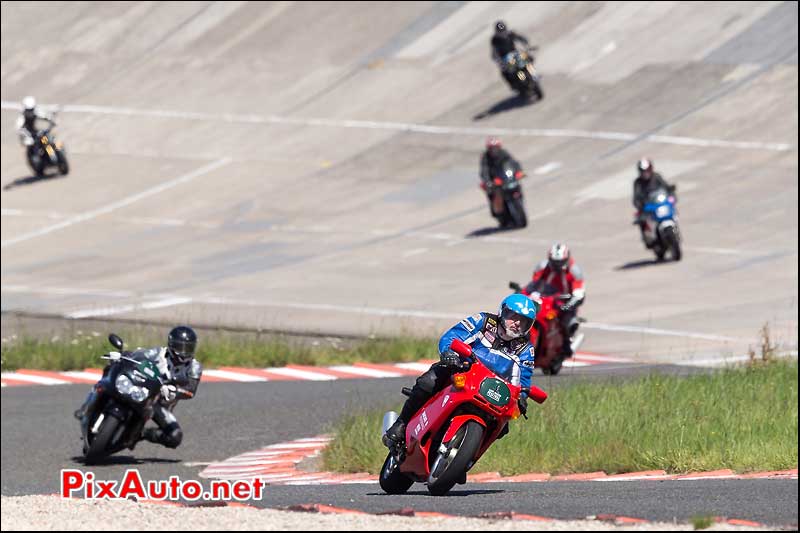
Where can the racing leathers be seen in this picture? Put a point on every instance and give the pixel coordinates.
(26, 125)
(548, 281)
(502, 45)
(510, 359)
(180, 382)
(493, 162)
(642, 187)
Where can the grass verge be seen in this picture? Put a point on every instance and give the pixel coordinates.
(742, 418)
(78, 350)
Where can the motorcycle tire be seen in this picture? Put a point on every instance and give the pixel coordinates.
(393, 481)
(674, 244)
(554, 368)
(96, 449)
(37, 168)
(537, 90)
(63, 165)
(465, 444)
(516, 212)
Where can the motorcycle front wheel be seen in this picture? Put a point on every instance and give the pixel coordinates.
(453, 458)
(97, 447)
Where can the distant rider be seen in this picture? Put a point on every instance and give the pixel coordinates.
(648, 181)
(494, 158)
(182, 373)
(557, 275)
(26, 122)
(499, 341)
(503, 44)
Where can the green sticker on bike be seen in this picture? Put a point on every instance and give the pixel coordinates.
(495, 391)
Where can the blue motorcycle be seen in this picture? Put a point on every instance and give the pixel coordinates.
(659, 222)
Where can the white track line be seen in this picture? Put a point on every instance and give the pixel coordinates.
(664, 332)
(410, 127)
(233, 376)
(368, 372)
(106, 311)
(119, 204)
(302, 374)
(419, 367)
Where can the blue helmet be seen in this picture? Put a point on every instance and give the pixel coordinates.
(520, 307)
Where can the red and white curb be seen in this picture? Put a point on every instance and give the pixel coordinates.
(277, 464)
(286, 373)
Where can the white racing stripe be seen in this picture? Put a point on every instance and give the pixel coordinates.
(233, 376)
(41, 380)
(302, 374)
(412, 127)
(118, 204)
(368, 372)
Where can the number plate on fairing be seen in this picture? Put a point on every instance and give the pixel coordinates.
(495, 391)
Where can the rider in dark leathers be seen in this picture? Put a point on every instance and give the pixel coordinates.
(502, 44)
(183, 371)
(648, 181)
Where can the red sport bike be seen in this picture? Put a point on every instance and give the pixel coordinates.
(547, 338)
(453, 429)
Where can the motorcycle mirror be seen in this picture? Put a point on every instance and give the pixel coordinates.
(514, 286)
(461, 348)
(115, 341)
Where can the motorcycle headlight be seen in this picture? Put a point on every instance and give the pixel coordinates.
(123, 384)
(662, 211)
(139, 394)
(126, 388)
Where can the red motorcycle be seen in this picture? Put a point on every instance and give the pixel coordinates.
(453, 429)
(547, 338)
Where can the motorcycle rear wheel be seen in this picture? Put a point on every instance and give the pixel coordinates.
(393, 481)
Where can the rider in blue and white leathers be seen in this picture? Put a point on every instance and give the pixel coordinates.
(500, 342)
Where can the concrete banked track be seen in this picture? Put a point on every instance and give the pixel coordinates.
(313, 167)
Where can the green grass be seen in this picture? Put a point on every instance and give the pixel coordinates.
(744, 419)
(702, 522)
(79, 349)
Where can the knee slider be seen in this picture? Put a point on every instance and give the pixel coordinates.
(172, 436)
(426, 384)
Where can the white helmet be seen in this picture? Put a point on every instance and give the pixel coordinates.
(28, 103)
(558, 258)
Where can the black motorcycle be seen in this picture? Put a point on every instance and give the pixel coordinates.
(126, 394)
(521, 75)
(47, 152)
(505, 196)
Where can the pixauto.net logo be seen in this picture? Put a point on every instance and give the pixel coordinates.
(79, 484)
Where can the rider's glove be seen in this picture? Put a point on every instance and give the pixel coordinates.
(169, 392)
(522, 403)
(567, 307)
(451, 359)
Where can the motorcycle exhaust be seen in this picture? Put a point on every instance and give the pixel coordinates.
(388, 421)
(577, 341)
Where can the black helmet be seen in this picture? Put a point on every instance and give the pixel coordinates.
(499, 26)
(181, 344)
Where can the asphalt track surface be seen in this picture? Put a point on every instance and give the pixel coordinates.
(297, 166)
(40, 438)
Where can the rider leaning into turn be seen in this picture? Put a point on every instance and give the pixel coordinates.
(26, 122)
(499, 341)
(559, 274)
(176, 362)
(648, 181)
(503, 43)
